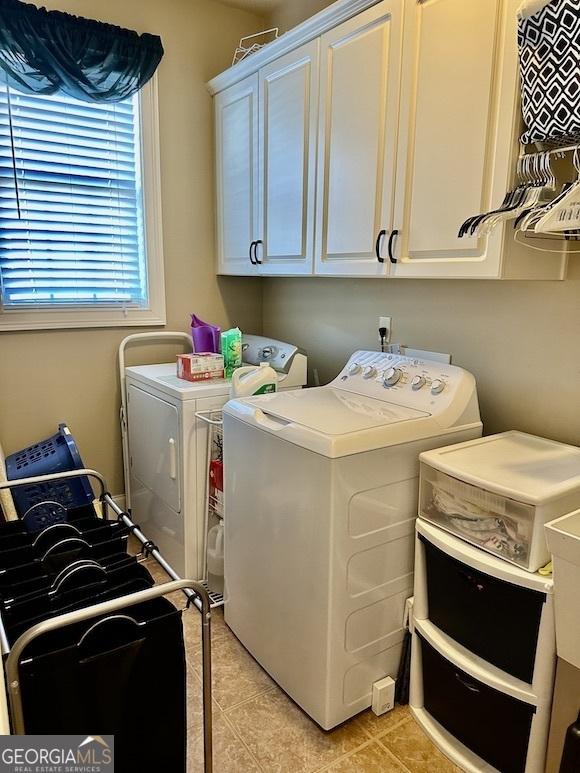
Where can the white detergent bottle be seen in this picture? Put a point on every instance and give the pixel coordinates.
(249, 380)
(215, 558)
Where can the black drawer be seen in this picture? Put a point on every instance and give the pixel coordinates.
(494, 619)
(493, 725)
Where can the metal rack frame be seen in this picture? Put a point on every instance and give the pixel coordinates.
(194, 592)
(214, 420)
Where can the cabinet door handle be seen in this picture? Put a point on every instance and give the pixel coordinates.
(172, 459)
(468, 685)
(256, 258)
(392, 238)
(378, 245)
(250, 253)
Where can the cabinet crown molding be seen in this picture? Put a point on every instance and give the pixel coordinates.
(310, 29)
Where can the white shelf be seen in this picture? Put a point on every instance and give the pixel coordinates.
(216, 599)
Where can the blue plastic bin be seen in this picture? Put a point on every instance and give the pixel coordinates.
(58, 453)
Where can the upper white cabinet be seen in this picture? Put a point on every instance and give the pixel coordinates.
(359, 106)
(236, 127)
(266, 168)
(358, 143)
(288, 107)
(457, 124)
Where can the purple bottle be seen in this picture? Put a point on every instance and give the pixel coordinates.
(205, 337)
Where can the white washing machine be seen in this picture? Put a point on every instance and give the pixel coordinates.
(167, 447)
(321, 499)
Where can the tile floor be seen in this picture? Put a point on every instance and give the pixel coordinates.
(256, 727)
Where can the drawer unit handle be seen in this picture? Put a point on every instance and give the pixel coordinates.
(466, 684)
(472, 581)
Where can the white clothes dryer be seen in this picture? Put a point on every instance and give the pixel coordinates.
(320, 504)
(167, 446)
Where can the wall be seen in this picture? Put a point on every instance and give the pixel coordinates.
(289, 13)
(54, 376)
(520, 339)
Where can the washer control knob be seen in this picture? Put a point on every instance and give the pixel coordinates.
(369, 372)
(354, 369)
(392, 376)
(437, 386)
(418, 382)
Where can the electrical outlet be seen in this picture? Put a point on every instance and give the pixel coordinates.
(385, 322)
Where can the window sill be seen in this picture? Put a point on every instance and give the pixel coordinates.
(38, 319)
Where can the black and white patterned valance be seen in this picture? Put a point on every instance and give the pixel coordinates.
(549, 46)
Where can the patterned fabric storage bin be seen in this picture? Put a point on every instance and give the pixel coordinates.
(549, 46)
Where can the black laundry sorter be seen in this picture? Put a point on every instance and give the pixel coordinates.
(90, 645)
(483, 655)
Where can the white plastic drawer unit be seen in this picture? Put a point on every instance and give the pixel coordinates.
(498, 524)
(466, 604)
(498, 492)
(492, 724)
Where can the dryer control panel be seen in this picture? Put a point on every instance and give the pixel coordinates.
(424, 384)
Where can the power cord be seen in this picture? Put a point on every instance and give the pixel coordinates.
(383, 336)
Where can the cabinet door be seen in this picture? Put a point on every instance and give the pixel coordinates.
(154, 445)
(359, 105)
(288, 108)
(458, 119)
(236, 121)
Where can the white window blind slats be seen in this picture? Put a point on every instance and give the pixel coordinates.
(71, 214)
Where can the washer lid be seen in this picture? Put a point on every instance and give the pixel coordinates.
(333, 411)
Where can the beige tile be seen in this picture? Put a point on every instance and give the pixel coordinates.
(370, 759)
(191, 617)
(195, 702)
(235, 674)
(379, 725)
(412, 747)
(133, 545)
(157, 572)
(229, 753)
(192, 625)
(284, 740)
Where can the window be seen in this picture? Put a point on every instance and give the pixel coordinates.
(80, 232)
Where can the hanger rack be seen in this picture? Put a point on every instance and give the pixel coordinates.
(535, 198)
(556, 151)
(195, 593)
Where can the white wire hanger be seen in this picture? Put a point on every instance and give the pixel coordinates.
(536, 180)
(563, 213)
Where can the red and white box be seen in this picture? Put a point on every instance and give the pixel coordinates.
(200, 366)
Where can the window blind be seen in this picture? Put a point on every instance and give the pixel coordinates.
(71, 214)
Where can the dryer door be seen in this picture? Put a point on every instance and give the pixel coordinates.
(154, 445)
